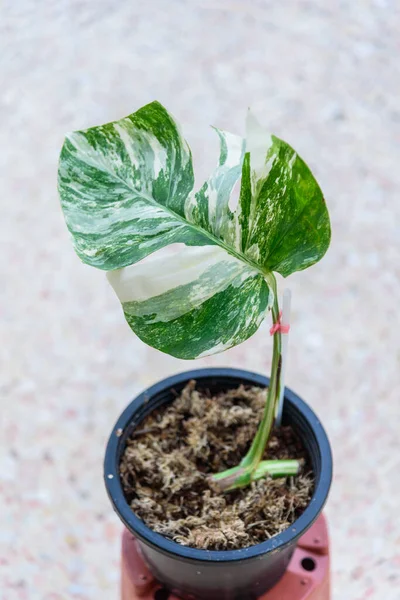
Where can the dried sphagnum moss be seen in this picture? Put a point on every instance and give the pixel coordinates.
(166, 462)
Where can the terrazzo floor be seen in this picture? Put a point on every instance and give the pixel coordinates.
(325, 77)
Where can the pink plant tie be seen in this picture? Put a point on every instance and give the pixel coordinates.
(279, 327)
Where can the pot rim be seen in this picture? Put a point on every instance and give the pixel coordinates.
(150, 537)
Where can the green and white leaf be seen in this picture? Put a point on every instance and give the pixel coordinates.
(192, 301)
(123, 188)
(126, 190)
(209, 207)
(284, 221)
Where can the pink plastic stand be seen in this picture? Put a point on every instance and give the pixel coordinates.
(307, 576)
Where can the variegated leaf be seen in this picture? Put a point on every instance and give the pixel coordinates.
(127, 191)
(123, 188)
(283, 218)
(192, 302)
(209, 207)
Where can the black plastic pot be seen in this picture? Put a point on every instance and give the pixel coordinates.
(229, 574)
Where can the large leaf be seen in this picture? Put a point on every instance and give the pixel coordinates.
(126, 189)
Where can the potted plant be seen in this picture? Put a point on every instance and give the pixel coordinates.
(202, 468)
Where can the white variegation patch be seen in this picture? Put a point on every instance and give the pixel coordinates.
(216, 349)
(200, 272)
(126, 138)
(164, 271)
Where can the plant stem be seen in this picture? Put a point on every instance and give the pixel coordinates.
(239, 477)
(244, 473)
(276, 468)
(257, 448)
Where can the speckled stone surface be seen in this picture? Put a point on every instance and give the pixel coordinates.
(325, 77)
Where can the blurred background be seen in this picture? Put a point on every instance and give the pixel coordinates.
(323, 76)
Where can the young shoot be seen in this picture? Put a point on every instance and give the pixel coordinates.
(127, 193)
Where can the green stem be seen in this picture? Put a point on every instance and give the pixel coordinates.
(258, 446)
(243, 474)
(276, 468)
(239, 477)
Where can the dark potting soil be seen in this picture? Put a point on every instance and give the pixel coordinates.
(166, 462)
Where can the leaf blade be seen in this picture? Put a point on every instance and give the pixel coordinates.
(192, 303)
(209, 207)
(284, 219)
(123, 188)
